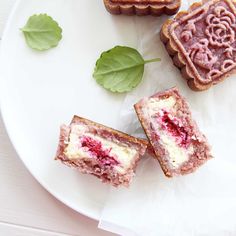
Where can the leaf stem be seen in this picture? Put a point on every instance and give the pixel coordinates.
(152, 60)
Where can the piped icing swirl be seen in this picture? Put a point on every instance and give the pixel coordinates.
(219, 28)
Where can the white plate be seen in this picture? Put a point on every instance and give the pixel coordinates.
(41, 90)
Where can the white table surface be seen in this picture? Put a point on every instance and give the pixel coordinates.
(26, 209)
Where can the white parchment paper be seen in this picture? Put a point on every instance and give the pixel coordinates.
(200, 204)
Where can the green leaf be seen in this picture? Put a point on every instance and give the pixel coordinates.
(42, 32)
(120, 69)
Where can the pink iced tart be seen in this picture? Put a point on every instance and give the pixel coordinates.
(178, 144)
(101, 151)
(142, 7)
(202, 42)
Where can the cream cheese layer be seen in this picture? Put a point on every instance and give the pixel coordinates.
(123, 155)
(155, 109)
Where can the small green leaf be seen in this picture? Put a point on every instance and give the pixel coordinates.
(42, 32)
(120, 69)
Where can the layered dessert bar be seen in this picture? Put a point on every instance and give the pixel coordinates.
(202, 42)
(178, 144)
(142, 7)
(103, 152)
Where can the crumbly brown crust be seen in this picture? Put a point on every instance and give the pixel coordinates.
(204, 149)
(143, 7)
(178, 57)
(91, 167)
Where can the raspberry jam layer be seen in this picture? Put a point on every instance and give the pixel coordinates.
(174, 127)
(96, 149)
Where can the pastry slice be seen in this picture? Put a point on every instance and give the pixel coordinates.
(103, 152)
(178, 144)
(202, 42)
(142, 7)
